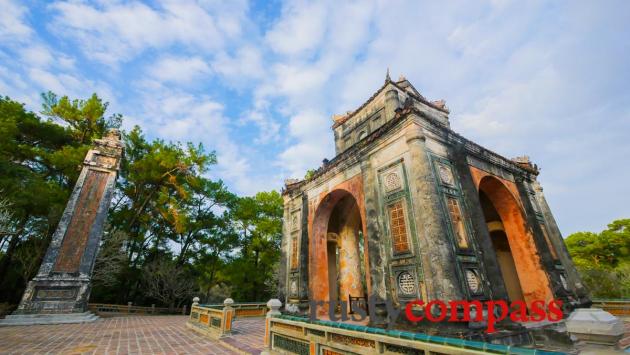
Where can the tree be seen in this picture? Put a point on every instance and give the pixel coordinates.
(39, 161)
(171, 229)
(111, 259)
(162, 197)
(85, 117)
(6, 217)
(259, 220)
(166, 281)
(603, 259)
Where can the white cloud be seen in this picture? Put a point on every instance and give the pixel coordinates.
(546, 79)
(173, 114)
(36, 55)
(300, 29)
(12, 22)
(245, 65)
(116, 32)
(181, 70)
(516, 81)
(261, 117)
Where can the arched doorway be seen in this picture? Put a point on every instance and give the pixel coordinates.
(513, 243)
(338, 252)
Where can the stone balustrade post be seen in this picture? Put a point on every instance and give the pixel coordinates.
(153, 308)
(274, 305)
(195, 302)
(228, 314)
(129, 307)
(184, 309)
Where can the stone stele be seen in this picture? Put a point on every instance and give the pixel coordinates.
(60, 291)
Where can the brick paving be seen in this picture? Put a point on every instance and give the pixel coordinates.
(128, 335)
(248, 335)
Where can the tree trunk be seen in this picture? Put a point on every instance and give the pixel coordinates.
(8, 256)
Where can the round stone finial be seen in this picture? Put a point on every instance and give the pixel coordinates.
(274, 305)
(228, 302)
(113, 133)
(196, 300)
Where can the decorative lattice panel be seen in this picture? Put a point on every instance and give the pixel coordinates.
(402, 350)
(398, 227)
(290, 345)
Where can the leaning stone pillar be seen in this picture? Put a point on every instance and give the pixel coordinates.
(437, 257)
(62, 285)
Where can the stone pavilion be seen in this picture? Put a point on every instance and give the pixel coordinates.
(409, 209)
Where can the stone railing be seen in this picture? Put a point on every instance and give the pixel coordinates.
(297, 335)
(215, 320)
(119, 309)
(617, 307)
(250, 310)
(245, 309)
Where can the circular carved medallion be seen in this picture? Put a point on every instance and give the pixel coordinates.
(392, 182)
(474, 283)
(406, 283)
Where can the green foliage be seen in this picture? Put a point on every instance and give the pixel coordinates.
(603, 259)
(172, 232)
(85, 117)
(309, 174)
(259, 221)
(39, 161)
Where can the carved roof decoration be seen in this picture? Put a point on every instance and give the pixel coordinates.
(403, 85)
(516, 165)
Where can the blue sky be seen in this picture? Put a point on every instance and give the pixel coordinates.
(258, 82)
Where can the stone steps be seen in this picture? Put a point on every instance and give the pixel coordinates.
(31, 319)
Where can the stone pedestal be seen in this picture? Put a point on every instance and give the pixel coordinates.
(60, 291)
(594, 325)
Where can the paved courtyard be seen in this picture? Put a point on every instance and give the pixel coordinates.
(129, 335)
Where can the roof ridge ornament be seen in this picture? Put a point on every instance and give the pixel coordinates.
(387, 77)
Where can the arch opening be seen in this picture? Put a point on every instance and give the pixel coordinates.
(512, 239)
(338, 254)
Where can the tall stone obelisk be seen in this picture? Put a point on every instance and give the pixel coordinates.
(60, 291)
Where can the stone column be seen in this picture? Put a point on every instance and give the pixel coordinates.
(483, 240)
(283, 269)
(62, 284)
(555, 237)
(378, 263)
(392, 102)
(436, 250)
(349, 259)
